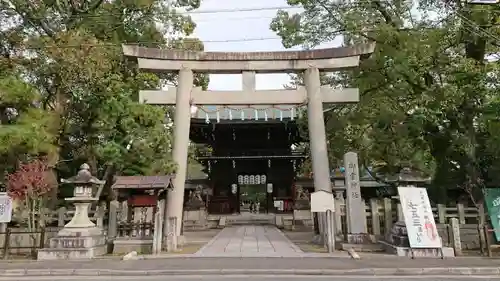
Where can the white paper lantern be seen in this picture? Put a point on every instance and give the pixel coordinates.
(257, 179)
(269, 188)
(245, 179)
(263, 179)
(252, 179)
(240, 179)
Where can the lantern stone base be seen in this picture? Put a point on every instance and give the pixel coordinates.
(397, 243)
(416, 252)
(75, 243)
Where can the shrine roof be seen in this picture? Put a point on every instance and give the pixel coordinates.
(142, 182)
(183, 55)
(247, 113)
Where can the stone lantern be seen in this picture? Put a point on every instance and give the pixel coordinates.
(80, 238)
(81, 224)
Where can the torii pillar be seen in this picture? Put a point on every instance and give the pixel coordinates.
(317, 133)
(310, 62)
(182, 124)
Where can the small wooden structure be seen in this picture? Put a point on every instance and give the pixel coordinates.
(135, 229)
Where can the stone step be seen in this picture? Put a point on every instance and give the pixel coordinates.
(250, 223)
(363, 247)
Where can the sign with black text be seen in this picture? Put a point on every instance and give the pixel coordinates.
(419, 219)
(5, 208)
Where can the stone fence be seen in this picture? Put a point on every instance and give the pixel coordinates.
(62, 216)
(20, 241)
(135, 223)
(381, 214)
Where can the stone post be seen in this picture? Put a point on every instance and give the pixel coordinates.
(355, 209)
(399, 212)
(387, 215)
(99, 215)
(339, 201)
(455, 236)
(158, 228)
(61, 215)
(374, 204)
(175, 198)
(317, 135)
(113, 219)
(441, 208)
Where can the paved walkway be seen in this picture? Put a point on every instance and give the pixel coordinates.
(250, 241)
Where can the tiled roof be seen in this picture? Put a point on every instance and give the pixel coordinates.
(142, 182)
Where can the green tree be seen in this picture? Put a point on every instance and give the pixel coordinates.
(73, 61)
(427, 93)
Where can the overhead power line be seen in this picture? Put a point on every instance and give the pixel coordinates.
(99, 14)
(220, 11)
(104, 45)
(216, 11)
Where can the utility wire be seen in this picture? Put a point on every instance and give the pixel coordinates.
(109, 44)
(471, 24)
(217, 11)
(101, 14)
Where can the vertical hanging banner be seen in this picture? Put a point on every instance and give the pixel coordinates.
(492, 199)
(5, 208)
(484, 2)
(419, 219)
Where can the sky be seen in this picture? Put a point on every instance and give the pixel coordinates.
(234, 26)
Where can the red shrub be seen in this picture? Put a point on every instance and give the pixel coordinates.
(29, 180)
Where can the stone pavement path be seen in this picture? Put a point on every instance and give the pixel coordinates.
(250, 241)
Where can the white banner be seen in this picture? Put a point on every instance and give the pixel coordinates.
(5, 208)
(419, 220)
(484, 2)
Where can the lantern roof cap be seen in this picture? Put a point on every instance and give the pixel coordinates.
(83, 177)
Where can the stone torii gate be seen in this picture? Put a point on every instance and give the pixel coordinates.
(184, 96)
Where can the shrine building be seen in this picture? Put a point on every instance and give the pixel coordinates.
(251, 151)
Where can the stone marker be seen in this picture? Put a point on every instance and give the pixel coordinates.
(355, 209)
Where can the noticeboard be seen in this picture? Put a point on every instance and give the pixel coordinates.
(419, 219)
(322, 201)
(5, 208)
